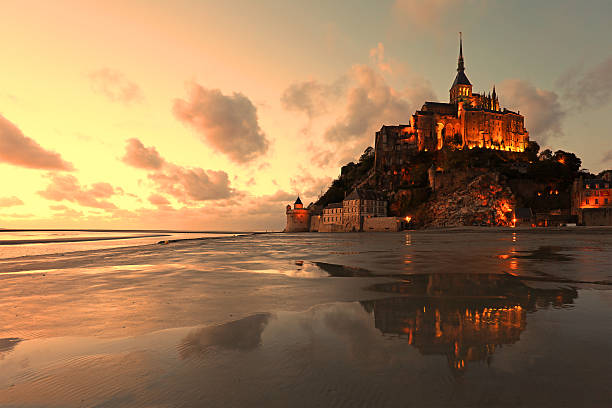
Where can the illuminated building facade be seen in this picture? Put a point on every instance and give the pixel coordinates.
(298, 217)
(592, 200)
(468, 120)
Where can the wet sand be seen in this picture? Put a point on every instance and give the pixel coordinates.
(430, 318)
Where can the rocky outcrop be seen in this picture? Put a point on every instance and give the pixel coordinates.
(483, 199)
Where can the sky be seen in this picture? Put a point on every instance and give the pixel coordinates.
(208, 115)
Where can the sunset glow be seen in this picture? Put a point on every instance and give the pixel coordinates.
(150, 114)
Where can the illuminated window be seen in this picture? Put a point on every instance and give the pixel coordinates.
(596, 185)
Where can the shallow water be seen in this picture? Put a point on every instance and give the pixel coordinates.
(458, 318)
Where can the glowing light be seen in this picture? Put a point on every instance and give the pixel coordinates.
(408, 218)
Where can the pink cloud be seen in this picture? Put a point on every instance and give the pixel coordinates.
(68, 188)
(137, 155)
(20, 150)
(226, 123)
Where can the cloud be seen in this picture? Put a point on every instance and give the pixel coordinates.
(312, 97)
(158, 199)
(183, 183)
(377, 54)
(137, 155)
(607, 157)
(67, 187)
(10, 201)
(541, 108)
(115, 86)
(226, 123)
(20, 150)
(370, 103)
(192, 184)
(583, 90)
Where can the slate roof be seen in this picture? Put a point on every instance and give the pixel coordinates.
(333, 205)
(461, 79)
(298, 201)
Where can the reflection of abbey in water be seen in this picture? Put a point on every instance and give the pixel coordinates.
(463, 316)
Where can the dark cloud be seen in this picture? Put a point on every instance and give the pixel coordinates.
(67, 187)
(115, 86)
(192, 184)
(10, 201)
(137, 155)
(312, 97)
(541, 108)
(20, 150)
(226, 123)
(593, 88)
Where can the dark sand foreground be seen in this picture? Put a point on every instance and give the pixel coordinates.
(458, 318)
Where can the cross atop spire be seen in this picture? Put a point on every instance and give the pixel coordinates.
(460, 65)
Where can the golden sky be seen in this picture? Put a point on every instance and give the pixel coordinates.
(200, 115)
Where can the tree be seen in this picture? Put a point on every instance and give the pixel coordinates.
(572, 161)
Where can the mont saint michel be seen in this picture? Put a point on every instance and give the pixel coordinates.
(348, 203)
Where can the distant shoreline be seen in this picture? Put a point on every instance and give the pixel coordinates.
(78, 239)
(156, 231)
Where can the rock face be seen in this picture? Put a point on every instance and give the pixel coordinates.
(475, 199)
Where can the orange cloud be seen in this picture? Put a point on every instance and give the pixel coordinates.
(10, 201)
(20, 150)
(67, 187)
(115, 86)
(158, 199)
(228, 124)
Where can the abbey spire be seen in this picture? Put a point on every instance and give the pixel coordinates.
(461, 88)
(460, 64)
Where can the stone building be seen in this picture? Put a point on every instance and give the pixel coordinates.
(359, 205)
(298, 217)
(592, 201)
(468, 120)
(349, 215)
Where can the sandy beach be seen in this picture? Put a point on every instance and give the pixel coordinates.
(472, 317)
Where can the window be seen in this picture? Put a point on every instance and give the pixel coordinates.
(606, 201)
(596, 201)
(586, 201)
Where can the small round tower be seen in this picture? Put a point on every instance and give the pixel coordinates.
(298, 218)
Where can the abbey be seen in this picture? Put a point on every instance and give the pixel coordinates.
(468, 120)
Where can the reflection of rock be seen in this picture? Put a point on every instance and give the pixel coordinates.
(7, 345)
(241, 335)
(462, 316)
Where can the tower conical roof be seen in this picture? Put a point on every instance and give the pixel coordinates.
(298, 201)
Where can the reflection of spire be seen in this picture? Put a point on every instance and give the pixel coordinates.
(460, 65)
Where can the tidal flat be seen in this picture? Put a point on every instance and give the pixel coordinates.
(440, 318)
